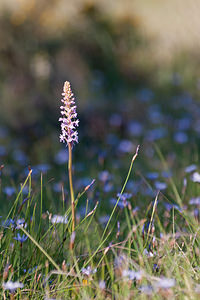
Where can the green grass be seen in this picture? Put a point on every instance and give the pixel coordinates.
(44, 263)
(128, 95)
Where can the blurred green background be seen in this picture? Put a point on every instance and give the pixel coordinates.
(110, 51)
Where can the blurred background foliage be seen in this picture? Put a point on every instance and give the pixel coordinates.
(43, 46)
(108, 51)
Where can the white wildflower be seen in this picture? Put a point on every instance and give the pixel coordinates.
(132, 275)
(12, 286)
(59, 219)
(195, 177)
(165, 283)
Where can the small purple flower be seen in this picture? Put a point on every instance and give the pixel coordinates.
(68, 116)
(9, 191)
(196, 212)
(135, 210)
(135, 128)
(180, 137)
(155, 268)
(61, 157)
(2, 151)
(190, 168)
(20, 238)
(124, 196)
(195, 201)
(145, 227)
(155, 115)
(31, 270)
(43, 168)
(7, 223)
(104, 176)
(125, 146)
(20, 222)
(160, 185)
(184, 123)
(108, 187)
(169, 207)
(120, 203)
(122, 200)
(156, 134)
(166, 174)
(115, 120)
(152, 175)
(20, 156)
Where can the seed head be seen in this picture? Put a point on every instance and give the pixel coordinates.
(68, 119)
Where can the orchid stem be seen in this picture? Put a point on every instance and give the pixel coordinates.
(71, 186)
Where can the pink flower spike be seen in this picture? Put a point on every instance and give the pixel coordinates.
(69, 115)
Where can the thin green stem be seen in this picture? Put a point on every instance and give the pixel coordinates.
(71, 186)
(122, 190)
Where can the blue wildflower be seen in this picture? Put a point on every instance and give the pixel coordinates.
(61, 157)
(7, 223)
(152, 175)
(126, 146)
(9, 190)
(190, 168)
(181, 137)
(160, 185)
(135, 128)
(20, 238)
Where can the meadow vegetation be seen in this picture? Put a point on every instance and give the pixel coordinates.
(135, 169)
